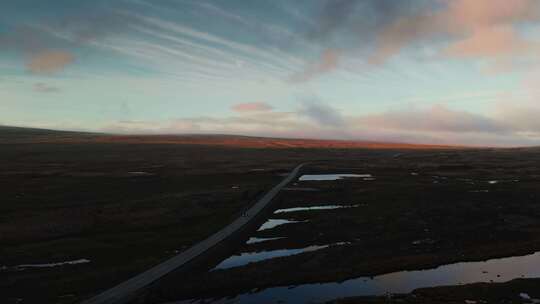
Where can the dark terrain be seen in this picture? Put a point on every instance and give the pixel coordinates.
(424, 209)
(508, 292)
(127, 203)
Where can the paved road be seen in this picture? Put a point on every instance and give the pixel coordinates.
(123, 292)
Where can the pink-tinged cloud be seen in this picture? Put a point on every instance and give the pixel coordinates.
(470, 14)
(47, 62)
(405, 31)
(328, 61)
(489, 41)
(474, 28)
(252, 107)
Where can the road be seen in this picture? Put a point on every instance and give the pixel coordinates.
(124, 291)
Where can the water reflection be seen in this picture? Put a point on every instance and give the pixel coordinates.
(271, 223)
(44, 265)
(495, 270)
(325, 207)
(255, 240)
(251, 257)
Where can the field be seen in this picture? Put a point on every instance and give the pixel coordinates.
(127, 203)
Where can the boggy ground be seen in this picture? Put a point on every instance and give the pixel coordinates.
(129, 203)
(423, 209)
(126, 203)
(124, 207)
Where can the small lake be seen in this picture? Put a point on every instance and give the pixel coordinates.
(324, 207)
(252, 257)
(331, 177)
(495, 270)
(271, 223)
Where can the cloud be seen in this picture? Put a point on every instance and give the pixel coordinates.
(358, 19)
(36, 47)
(45, 88)
(323, 115)
(489, 41)
(463, 29)
(523, 117)
(47, 62)
(433, 125)
(251, 107)
(401, 33)
(47, 28)
(435, 119)
(329, 61)
(473, 28)
(334, 15)
(351, 26)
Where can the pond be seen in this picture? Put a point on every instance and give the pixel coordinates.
(324, 207)
(252, 257)
(272, 223)
(331, 177)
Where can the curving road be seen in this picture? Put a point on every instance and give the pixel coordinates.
(124, 291)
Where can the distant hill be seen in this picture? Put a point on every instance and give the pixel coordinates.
(17, 135)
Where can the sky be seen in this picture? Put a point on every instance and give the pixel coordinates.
(425, 71)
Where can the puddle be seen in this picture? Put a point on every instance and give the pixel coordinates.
(271, 223)
(325, 207)
(495, 270)
(252, 257)
(255, 240)
(45, 265)
(526, 297)
(331, 177)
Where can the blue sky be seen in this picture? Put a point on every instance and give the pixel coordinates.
(439, 71)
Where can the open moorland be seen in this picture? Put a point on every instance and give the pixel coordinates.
(406, 211)
(114, 206)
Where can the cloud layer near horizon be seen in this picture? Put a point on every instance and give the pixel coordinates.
(437, 124)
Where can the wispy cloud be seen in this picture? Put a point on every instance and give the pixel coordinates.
(329, 61)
